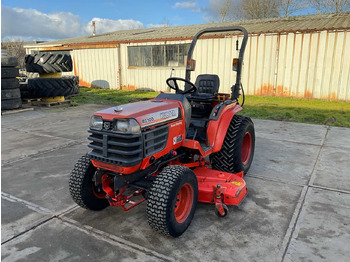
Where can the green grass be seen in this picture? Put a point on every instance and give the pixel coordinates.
(110, 97)
(311, 111)
(276, 108)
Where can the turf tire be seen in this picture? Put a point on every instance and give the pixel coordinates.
(9, 83)
(11, 104)
(162, 198)
(51, 87)
(81, 184)
(48, 63)
(229, 158)
(9, 72)
(10, 94)
(9, 61)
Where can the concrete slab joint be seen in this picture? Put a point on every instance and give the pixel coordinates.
(298, 207)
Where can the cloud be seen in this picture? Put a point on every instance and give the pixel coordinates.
(157, 25)
(107, 25)
(31, 24)
(17, 22)
(188, 5)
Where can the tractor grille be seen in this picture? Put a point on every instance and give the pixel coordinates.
(126, 149)
(118, 149)
(155, 139)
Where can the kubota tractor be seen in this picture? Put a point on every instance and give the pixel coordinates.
(172, 151)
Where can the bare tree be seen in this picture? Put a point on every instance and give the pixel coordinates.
(331, 6)
(15, 48)
(165, 22)
(221, 12)
(225, 12)
(257, 9)
(289, 7)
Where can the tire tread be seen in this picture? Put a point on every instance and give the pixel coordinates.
(227, 159)
(159, 198)
(77, 186)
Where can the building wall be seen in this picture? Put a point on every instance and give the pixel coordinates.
(97, 67)
(308, 65)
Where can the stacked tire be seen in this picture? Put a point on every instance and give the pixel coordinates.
(49, 87)
(10, 92)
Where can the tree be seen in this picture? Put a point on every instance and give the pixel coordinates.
(222, 12)
(228, 10)
(331, 6)
(225, 11)
(15, 48)
(257, 9)
(289, 7)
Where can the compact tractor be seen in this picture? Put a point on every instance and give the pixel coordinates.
(174, 150)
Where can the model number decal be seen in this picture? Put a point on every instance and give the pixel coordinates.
(159, 117)
(147, 120)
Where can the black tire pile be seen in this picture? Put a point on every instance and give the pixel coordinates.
(10, 92)
(49, 87)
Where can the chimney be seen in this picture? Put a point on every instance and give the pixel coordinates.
(93, 28)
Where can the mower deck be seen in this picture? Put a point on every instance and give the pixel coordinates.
(232, 186)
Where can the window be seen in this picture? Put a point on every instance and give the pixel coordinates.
(158, 55)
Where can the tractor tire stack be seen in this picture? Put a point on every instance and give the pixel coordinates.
(50, 83)
(10, 92)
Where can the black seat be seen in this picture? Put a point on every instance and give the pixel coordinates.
(184, 102)
(208, 87)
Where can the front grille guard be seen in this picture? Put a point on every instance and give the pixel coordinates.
(126, 150)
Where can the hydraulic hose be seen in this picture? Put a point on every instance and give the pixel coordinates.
(243, 95)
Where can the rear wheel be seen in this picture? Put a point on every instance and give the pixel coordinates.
(237, 150)
(82, 188)
(172, 200)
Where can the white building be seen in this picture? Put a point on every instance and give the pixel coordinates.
(303, 56)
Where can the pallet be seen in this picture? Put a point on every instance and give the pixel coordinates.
(30, 100)
(49, 104)
(14, 111)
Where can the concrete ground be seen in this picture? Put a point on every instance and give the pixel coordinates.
(298, 207)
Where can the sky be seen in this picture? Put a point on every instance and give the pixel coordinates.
(29, 20)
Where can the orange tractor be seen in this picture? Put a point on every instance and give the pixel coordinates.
(174, 150)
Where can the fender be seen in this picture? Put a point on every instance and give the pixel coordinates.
(217, 129)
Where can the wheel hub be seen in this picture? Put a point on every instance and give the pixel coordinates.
(183, 204)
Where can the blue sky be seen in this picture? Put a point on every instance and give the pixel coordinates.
(50, 20)
(148, 12)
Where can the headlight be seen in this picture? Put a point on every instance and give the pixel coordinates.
(96, 122)
(129, 126)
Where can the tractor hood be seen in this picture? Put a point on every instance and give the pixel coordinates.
(146, 113)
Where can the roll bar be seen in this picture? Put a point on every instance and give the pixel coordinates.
(235, 88)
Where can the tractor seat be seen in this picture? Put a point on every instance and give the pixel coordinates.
(208, 87)
(181, 98)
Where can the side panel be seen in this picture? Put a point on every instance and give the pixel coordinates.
(217, 128)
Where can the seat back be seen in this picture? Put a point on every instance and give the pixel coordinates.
(207, 84)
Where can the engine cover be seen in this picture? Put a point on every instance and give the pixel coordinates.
(147, 113)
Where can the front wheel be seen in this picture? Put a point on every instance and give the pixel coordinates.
(237, 150)
(172, 200)
(82, 188)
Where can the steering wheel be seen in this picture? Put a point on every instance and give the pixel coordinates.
(176, 87)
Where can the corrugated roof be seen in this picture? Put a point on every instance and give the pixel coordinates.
(270, 25)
